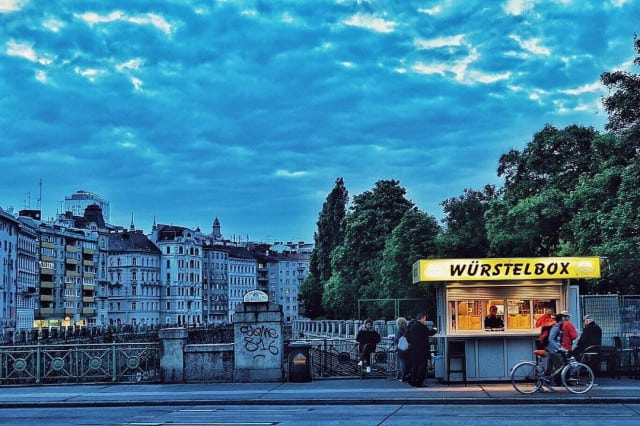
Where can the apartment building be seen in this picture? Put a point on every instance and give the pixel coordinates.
(242, 268)
(27, 273)
(134, 279)
(8, 281)
(181, 273)
(67, 274)
(215, 282)
(286, 270)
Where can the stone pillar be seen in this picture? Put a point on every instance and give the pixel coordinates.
(259, 343)
(173, 341)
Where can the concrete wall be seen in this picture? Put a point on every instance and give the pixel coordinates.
(257, 354)
(259, 343)
(208, 363)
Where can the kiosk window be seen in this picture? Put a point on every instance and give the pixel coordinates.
(541, 306)
(466, 315)
(518, 314)
(517, 307)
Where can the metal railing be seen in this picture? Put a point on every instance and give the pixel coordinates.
(80, 363)
(338, 358)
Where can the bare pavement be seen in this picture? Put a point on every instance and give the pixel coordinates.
(318, 392)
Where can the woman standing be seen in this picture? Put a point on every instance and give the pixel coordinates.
(402, 355)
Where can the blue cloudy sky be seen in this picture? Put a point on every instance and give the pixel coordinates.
(248, 111)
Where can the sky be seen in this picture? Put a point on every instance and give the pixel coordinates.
(184, 111)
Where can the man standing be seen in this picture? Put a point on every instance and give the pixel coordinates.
(419, 349)
(591, 335)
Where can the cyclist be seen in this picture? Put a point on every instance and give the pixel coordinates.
(554, 349)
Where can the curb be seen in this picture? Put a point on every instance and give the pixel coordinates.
(289, 402)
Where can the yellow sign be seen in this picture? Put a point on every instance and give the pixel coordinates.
(506, 269)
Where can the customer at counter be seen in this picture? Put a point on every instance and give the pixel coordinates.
(492, 321)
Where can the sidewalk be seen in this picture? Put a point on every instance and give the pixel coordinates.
(324, 392)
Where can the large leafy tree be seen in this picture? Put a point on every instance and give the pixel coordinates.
(623, 102)
(414, 238)
(465, 233)
(330, 235)
(356, 264)
(530, 218)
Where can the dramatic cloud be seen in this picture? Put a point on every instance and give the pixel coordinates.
(184, 111)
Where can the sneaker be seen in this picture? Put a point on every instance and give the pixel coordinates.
(368, 369)
(359, 363)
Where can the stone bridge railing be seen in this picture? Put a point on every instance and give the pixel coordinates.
(301, 329)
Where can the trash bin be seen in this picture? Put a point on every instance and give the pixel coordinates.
(438, 366)
(299, 362)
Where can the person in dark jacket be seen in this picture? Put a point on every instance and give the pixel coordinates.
(419, 349)
(591, 335)
(368, 338)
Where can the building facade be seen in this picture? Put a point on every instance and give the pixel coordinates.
(134, 279)
(8, 280)
(27, 273)
(181, 274)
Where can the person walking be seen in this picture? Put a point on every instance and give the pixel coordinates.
(368, 338)
(419, 351)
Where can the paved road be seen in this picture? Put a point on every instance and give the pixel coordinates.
(380, 414)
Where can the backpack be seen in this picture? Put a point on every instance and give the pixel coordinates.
(544, 336)
(403, 344)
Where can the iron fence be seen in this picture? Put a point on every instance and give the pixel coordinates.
(338, 358)
(80, 363)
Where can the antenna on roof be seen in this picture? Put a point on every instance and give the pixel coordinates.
(40, 196)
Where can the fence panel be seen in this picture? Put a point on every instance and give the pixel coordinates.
(80, 363)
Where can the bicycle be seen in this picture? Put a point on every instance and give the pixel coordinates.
(528, 377)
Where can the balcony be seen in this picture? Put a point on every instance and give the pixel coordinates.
(88, 251)
(71, 261)
(88, 263)
(88, 299)
(69, 311)
(46, 311)
(46, 298)
(88, 311)
(71, 249)
(46, 284)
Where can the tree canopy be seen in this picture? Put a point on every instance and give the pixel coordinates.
(568, 192)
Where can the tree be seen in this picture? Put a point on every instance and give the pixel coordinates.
(414, 238)
(356, 263)
(465, 232)
(330, 235)
(530, 218)
(623, 104)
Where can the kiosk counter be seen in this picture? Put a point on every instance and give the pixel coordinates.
(519, 290)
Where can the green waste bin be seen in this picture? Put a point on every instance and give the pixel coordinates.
(299, 362)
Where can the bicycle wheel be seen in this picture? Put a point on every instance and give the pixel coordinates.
(577, 377)
(525, 377)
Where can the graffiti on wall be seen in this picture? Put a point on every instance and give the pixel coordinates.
(260, 340)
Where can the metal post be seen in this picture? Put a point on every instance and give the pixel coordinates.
(38, 360)
(114, 362)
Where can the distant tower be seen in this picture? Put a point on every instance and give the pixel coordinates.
(80, 200)
(132, 227)
(216, 234)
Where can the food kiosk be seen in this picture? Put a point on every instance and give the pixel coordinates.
(520, 289)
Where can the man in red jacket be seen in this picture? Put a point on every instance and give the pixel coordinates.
(569, 332)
